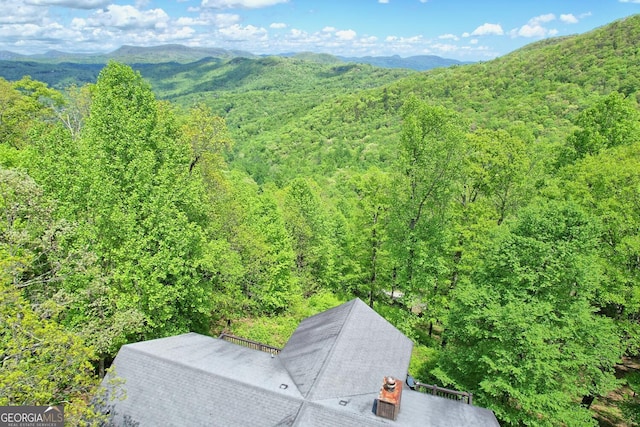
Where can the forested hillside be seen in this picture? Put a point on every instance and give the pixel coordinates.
(490, 211)
(539, 89)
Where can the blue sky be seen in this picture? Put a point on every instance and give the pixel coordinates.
(469, 30)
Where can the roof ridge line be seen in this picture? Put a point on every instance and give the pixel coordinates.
(333, 346)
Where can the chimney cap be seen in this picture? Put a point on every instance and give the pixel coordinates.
(389, 383)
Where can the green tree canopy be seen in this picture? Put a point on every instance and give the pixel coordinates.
(522, 334)
(613, 120)
(432, 144)
(607, 185)
(309, 228)
(138, 212)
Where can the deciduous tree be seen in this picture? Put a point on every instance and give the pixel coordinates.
(613, 120)
(522, 333)
(432, 144)
(142, 210)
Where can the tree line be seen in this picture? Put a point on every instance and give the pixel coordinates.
(510, 260)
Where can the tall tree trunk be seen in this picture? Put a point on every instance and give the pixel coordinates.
(587, 401)
(394, 277)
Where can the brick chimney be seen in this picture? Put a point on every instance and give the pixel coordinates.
(388, 401)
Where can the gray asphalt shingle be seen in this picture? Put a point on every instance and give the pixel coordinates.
(328, 374)
(345, 350)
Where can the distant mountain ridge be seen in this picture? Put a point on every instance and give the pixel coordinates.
(132, 54)
(418, 63)
(185, 54)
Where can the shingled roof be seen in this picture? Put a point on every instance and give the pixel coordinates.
(328, 374)
(345, 350)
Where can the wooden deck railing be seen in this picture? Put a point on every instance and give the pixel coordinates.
(249, 343)
(445, 392)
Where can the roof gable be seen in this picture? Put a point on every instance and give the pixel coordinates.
(329, 373)
(345, 350)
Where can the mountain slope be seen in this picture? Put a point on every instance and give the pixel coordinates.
(58, 75)
(172, 53)
(294, 116)
(538, 89)
(185, 54)
(419, 63)
(131, 55)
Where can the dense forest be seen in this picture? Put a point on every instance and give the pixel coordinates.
(490, 211)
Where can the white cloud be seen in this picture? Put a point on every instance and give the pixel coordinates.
(449, 37)
(181, 35)
(207, 19)
(346, 34)
(569, 18)
(72, 4)
(41, 37)
(183, 20)
(31, 26)
(445, 48)
(224, 19)
(528, 30)
(535, 27)
(34, 29)
(26, 30)
(488, 29)
(20, 13)
(542, 19)
(400, 44)
(78, 23)
(128, 17)
(383, 1)
(629, 1)
(240, 4)
(298, 34)
(237, 32)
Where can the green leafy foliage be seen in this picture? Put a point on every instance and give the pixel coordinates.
(145, 208)
(22, 104)
(309, 227)
(606, 185)
(497, 179)
(260, 238)
(432, 145)
(612, 121)
(42, 363)
(488, 211)
(368, 270)
(631, 406)
(522, 334)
